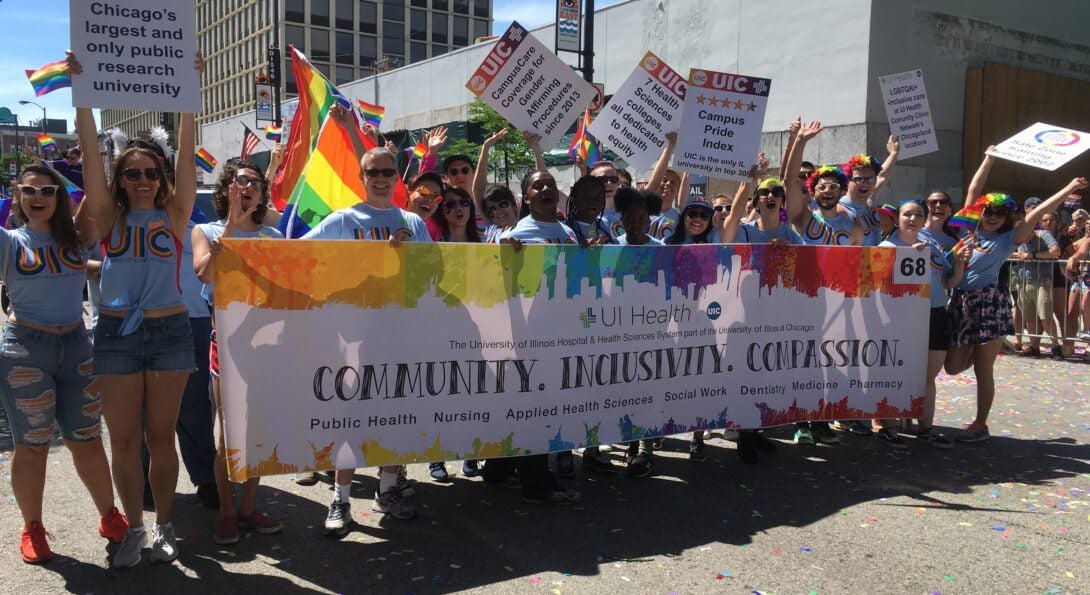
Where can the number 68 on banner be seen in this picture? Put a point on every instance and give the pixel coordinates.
(911, 266)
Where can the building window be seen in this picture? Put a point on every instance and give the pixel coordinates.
(319, 44)
(460, 35)
(480, 29)
(295, 11)
(439, 5)
(480, 8)
(461, 6)
(393, 10)
(368, 17)
(319, 13)
(346, 53)
(368, 50)
(418, 25)
(344, 74)
(419, 3)
(418, 52)
(344, 14)
(296, 35)
(439, 28)
(438, 50)
(393, 38)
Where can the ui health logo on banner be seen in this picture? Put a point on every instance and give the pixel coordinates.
(639, 316)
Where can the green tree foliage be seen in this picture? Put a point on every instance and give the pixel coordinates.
(508, 157)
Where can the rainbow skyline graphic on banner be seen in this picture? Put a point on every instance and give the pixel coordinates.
(49, 78)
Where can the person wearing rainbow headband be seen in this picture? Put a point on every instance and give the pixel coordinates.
(980, 313)
(866, 177)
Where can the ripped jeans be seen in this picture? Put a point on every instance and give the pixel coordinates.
(46, 381)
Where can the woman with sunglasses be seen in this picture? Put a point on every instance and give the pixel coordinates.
(980, 313)
(586, 202)
(46, 367)
(143, 340)
(500, 211)
(241, 199)
(424, 195)
(911, 215)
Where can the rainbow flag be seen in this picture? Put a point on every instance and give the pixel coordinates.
(583, 145)
(969, 216)
(75, 192)
(46, 142)
(205, 160)
(274, 132)
(418, 150)
(49, 78)
(329, 182)
(1073, 201)
(372, 114)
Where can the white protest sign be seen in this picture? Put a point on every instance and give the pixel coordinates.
(642, 111)
(530, 87)
(908, 113)
(136, 54)
(721, 124)
(1044, 146)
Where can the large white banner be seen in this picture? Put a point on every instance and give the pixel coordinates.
(448, 351)
(530, 87)
(647, 106)
(136, 54)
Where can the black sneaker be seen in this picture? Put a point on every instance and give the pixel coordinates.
(597, 462)
(208, 495)
(470, 468)
(823, 433)
(338, 519)
(765, 444)
(640, 465)
(656, 443)
(438, 472)
(747, 447)
(1058, 353)
(565, 464)
(307, 478)
(892, 439)
(935, 439)
(696, 452)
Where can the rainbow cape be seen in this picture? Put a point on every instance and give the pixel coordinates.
(583, 145)
(372, 114)
(205, 160)
(274, 132)
(46, 143)
(49, 78)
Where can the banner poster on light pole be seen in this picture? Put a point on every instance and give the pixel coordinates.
(567, 26)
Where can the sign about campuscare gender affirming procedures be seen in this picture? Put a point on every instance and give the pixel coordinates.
(909, 113)
(530, 87)
(442, 351)
(721, 124)
(1044, 146)
(647, 106)
(136, 54)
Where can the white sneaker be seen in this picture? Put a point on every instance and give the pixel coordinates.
(164, 545)
(731, 435)
(128, 553)
(708, 435)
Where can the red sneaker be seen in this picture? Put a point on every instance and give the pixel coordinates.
(225, 531)
(35, 548)
(113, 526)
(259, 522)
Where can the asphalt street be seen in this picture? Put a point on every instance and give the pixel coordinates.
(1008, 516)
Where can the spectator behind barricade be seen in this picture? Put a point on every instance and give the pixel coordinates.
(1035, 284)
(1078, 227)
(1066, 329)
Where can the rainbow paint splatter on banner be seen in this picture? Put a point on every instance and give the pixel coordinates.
(544, 348)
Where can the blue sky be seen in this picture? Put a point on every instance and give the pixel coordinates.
(35, 32)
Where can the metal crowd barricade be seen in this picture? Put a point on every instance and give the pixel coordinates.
(1064, 325)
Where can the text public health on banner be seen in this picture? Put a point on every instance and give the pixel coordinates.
(447, 351)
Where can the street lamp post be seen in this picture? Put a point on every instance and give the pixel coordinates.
(25, 102)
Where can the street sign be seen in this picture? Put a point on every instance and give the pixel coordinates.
(599, 100)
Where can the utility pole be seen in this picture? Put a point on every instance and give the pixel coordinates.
(274, 62)
(588, 41)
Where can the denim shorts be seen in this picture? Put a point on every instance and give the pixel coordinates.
(46, 381)
(158, 345)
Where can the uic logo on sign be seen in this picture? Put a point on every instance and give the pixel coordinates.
(714, 311)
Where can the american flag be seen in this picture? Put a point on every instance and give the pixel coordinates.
(250, 141)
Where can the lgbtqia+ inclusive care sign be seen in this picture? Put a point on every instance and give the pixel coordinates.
(433, 352)
(136, 54)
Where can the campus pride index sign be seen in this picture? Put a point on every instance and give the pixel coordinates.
(433, 352)
(136, 54)
(530, 87)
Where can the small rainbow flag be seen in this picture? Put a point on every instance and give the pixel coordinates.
(273, 132)
(1073, 201)
(583, 145)
(46, 142)
(49, 78)
(205, 160)
(969, 216)
(418, 150)
(372, 114)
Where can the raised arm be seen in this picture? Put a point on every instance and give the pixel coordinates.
(976, 186)
(678, 200)
(792, 133)
(797, 211)
(733, 220)
(893, 148)
(533, 140)
(663, 164)
(276, 157)
(180, 205)
(480, 175)
(1024, 230)
(344, 118)
(96, 211)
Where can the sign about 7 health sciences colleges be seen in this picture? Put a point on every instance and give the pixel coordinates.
(435, 352)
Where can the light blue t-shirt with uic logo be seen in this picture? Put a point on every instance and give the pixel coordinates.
(45, 281)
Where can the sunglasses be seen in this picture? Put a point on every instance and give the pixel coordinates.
(996, 212)
(45, 191)
(698, 214)
(831, 186)
(464, 170)
(460, 203)
(424, 192)
(805, 175)
(722, 208)
(133, 174)
(500, 205)
(386, 172)
(942, 202)
(865, 179)
(777, 192)
(609, 179)
(245, 181)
